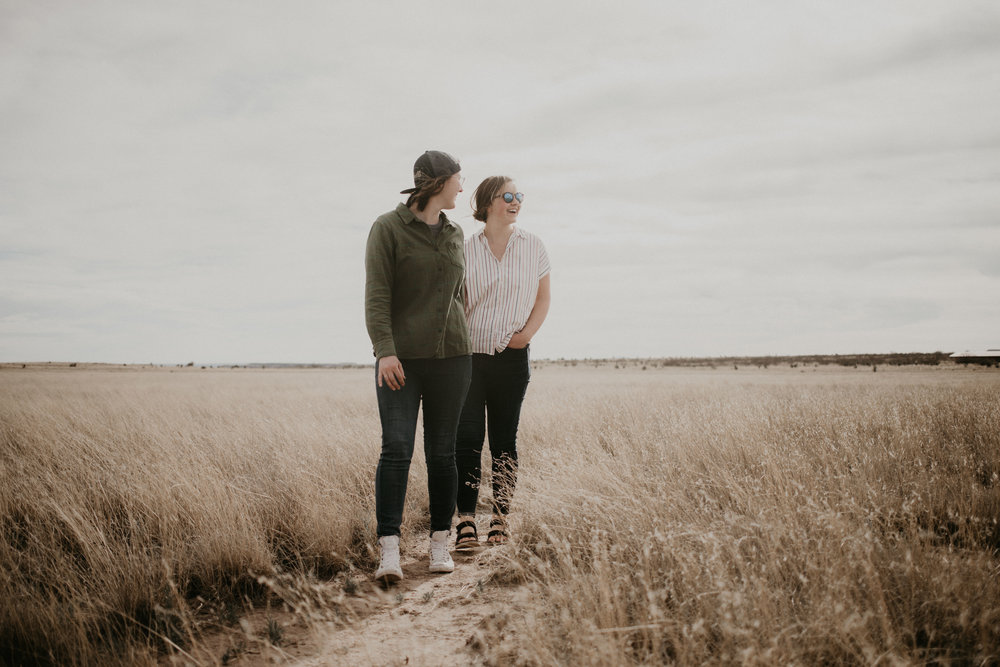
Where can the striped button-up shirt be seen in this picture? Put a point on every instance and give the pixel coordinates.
(499, 294)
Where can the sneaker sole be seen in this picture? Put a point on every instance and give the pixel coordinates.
(442, 569)
(389, 577)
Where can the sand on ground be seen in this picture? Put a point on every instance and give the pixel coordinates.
(426, 619)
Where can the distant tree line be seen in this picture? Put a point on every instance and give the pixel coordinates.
(852, 360)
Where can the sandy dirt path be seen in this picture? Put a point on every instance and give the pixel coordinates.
(427, 619)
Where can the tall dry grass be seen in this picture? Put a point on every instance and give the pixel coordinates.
(666, 516)
(765, 518)
(129, 501)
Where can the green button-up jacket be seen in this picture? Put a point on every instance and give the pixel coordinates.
(414, 304)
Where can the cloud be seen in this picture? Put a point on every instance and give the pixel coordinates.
(197, 181)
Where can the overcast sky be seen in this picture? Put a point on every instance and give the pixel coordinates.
(195, 181)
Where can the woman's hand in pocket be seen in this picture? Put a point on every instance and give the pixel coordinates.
(518, 341)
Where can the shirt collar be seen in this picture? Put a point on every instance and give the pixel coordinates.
(406, 215)
(517, 233)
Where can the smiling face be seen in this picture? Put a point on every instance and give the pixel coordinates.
(502, 212)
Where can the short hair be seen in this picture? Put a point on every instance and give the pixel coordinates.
(485, 193)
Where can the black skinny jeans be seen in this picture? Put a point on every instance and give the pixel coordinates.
(499, 382)
(440, 385)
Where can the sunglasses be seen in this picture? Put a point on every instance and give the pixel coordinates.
(511, 196)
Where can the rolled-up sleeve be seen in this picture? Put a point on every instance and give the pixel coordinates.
(379, 275)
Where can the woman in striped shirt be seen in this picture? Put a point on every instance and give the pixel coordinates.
(506, 301)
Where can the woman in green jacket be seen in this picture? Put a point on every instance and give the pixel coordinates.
(415, 314)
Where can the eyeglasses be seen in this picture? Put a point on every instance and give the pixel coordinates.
(511, 196)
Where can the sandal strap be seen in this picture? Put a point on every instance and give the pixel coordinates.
(465, 533)
(498, 529)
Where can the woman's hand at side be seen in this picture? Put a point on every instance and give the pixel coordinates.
(391, 371)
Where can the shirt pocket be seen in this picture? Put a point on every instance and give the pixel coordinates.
(415, 261)
(454, 250)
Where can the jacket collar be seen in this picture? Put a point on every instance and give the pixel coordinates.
(406, 215)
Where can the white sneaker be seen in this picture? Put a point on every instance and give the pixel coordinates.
(388, 570)
(440, 558)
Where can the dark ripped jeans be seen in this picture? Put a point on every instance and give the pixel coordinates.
(499, 382)
(441, 384)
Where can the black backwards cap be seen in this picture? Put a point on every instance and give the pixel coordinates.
(431, 165)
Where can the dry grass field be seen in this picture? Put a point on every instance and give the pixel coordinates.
(785, 515)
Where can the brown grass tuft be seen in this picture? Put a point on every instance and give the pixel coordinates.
(834, 519)
(132, 503)
(673, 515)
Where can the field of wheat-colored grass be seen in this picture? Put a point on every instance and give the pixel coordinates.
(810, 515)
(128, 499)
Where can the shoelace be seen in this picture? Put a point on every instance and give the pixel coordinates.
(389, 557)
(439, 552)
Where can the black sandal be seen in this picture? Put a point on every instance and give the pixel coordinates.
(466, 537)
(498, 532)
